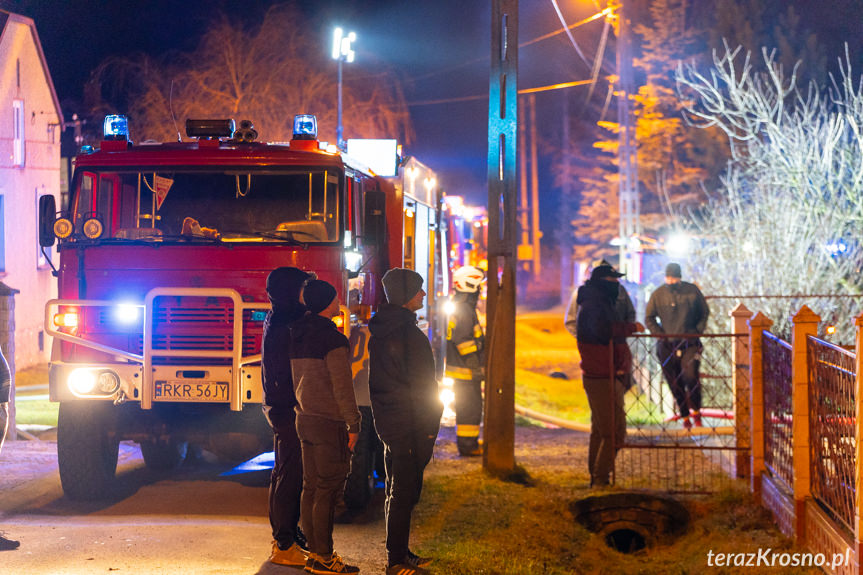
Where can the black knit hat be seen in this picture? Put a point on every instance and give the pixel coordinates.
(401, 285)
(672, 270)
(318, 295)
(285, 283)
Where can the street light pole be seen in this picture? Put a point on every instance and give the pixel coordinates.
(342, 52)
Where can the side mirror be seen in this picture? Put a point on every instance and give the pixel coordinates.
(375, 217)
(47, 215)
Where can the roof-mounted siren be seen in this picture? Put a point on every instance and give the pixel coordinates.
(305, 132)
(210, 129)
(115, 133)
(246, 132)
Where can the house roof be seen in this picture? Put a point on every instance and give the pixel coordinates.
(5, 18)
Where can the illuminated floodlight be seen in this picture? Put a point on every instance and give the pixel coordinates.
(677, 244)
(449, 307)
(127, 313)
(342, 45)
(380, 155)
(430, 183)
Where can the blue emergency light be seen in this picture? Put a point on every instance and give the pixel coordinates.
(116, 128)
(305, 127)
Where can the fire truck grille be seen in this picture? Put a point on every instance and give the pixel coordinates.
(184, 323)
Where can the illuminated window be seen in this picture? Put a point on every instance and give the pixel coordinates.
(18, 133)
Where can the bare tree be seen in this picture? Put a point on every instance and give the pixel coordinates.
(267, 74)
(786, 219)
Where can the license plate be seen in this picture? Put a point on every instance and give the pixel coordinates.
(191, 391)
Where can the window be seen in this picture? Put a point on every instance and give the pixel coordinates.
(41, 260)
(18, 133)
(2, 233)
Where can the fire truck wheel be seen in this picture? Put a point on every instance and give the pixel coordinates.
(87, 449)
(164, 455)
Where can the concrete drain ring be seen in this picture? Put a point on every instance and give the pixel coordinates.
(629, 522)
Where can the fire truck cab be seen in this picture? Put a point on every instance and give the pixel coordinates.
(164, 253)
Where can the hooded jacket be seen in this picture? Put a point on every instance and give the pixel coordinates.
(402, 382)
(597, 329)
(321, 366)
(275, 358)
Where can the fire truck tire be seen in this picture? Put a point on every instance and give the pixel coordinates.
(87, 449)
(164, 455)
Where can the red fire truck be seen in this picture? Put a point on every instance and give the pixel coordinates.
(163, 257)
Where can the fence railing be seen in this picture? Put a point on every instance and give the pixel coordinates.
(778, 430)
(832, 423)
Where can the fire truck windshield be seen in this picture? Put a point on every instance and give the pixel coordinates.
(238, 205)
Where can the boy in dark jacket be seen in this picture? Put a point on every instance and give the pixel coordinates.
(604, 363)
(328, 421)
(286, 483)
(406, 407)
(5, 390)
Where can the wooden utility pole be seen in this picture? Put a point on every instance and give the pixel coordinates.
(499, 453)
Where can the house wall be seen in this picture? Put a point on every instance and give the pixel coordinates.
(23, 76)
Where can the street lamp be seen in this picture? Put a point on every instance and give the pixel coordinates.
(342, 53)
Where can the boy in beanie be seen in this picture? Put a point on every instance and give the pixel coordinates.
(328, 421)
(406, 407)
(286, 483)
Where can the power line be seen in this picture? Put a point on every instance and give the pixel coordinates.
(548, 88)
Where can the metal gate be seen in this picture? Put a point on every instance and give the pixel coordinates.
(663, 451)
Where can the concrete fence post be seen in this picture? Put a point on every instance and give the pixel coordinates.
(740, 379)
(757, 325)
(804, 324)
(7, 344)
(858, 436)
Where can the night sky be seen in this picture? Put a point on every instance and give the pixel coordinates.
(439, 47)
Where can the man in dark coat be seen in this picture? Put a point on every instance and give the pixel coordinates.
(328, 421)
(406, 407)
(603, 367)
(682, 312)
(5, 391)
(286, 483)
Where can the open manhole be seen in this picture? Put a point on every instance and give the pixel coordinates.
(629, 522)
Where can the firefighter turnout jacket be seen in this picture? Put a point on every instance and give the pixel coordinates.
(465, 341)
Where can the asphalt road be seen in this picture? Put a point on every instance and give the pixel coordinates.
(193, 521)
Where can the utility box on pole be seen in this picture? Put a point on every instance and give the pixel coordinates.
(499, 453)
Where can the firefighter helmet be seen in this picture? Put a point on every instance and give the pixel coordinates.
(468, 279)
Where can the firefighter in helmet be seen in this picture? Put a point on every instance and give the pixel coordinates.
(465, 358)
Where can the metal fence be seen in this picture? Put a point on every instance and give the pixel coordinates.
(663, 451)
(832, 428)
(776, 361)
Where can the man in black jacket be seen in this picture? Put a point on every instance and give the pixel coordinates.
(406, 407)
(682, 312)
(5, 390)
(286, 483)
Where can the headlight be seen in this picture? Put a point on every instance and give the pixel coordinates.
(93, 228)
(88, 381)
(63, 228)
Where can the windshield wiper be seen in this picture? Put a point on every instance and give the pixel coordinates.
(283, 236)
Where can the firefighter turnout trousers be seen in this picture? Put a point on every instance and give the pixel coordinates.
(468, 414)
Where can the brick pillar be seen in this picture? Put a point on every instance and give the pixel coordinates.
(805, 323)
(757, 325)
(7, 344)
(740, 378)
(858, 433)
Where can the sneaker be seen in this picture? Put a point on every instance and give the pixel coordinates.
(293, 555)
(416, 560)
(687, 423)
(696, 419)
(406, 569)
(8, 544)
(334, 565)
